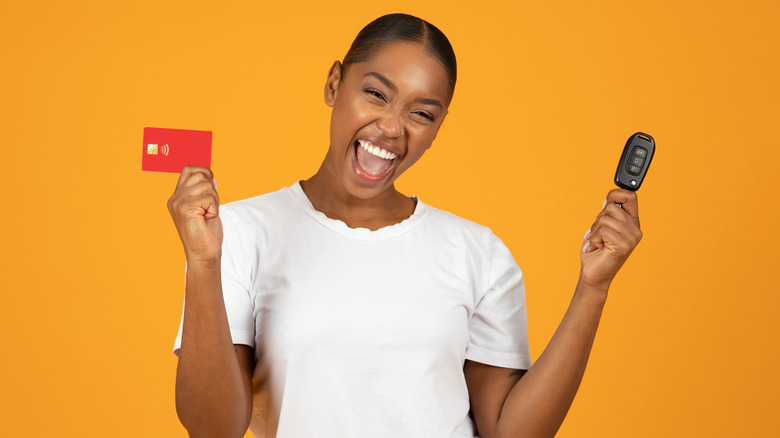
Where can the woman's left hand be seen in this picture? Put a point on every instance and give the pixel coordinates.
(611, 239)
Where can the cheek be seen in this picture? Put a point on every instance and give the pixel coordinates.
(346, 119)
(415, 152)
(421, 138)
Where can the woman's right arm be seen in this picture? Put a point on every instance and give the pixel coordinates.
(213, 377)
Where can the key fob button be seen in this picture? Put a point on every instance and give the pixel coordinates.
(633, 170)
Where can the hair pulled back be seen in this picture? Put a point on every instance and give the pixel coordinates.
(403, 28)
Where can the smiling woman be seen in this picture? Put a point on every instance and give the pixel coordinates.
(386, 113)
(340, 307)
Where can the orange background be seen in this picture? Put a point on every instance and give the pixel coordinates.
(92, 271)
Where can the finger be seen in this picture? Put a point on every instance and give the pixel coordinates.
(609, 222)
(615, 211)
(603, 235)
(195, 189)
(211, 204)
(598, 240)
(192, 182)
(614, 233)
(615, 242)
(189, 171)
(202, 188)
(206, 205)
(611, 215)
(196, 179)
(614, 217)
(627, 200)
(602, 212)
(608, 218)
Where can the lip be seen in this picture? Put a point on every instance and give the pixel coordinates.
(361, 174)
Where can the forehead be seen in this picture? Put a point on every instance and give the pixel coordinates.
(408, 66)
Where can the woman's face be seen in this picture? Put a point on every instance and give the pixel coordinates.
(386, 113)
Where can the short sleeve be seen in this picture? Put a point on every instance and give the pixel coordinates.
(237, 272)
(498, 330)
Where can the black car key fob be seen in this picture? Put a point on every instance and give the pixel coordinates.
(635, 160)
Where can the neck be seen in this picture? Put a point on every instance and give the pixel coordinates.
(329, 197)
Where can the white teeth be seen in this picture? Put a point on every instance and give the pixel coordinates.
(376, 150)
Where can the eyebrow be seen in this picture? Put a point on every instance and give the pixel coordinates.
(391, 86)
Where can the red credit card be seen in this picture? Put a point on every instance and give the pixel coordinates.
(169, 150)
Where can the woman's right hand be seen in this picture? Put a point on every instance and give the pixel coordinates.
(194, 207)
(213, 376)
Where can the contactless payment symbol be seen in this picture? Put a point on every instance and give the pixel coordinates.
(169, 150)
(152, 149)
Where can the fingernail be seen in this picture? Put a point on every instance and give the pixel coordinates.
(215, 183)
(604, 204)
(587, 234)
(585, 247)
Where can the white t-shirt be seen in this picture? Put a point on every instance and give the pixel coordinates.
(361, 333)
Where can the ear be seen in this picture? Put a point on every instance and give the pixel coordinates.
(333, 83)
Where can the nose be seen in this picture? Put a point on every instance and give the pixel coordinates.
(391, 125)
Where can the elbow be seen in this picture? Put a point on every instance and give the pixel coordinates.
(216, 434)
(203, 422)
(219, 429)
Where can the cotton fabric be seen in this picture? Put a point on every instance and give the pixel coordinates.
(364, 333)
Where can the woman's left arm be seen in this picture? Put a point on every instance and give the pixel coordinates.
(506, 405)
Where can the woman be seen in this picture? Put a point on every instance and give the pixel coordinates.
(358, 311)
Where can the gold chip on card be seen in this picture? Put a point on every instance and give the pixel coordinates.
(151, 149)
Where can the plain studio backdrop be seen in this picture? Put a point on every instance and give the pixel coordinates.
(92, 270)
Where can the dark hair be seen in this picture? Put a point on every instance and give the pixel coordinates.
(405, 28)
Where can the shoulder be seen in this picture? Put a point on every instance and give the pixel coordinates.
(460, 231)
(452, 222)
(261, 208)
(249, 205)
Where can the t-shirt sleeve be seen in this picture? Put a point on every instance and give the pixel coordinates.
(498, 330)
(237, 274)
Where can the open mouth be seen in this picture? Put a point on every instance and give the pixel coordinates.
(372, 162)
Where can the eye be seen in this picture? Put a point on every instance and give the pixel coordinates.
(424, 115)
(376, 94)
